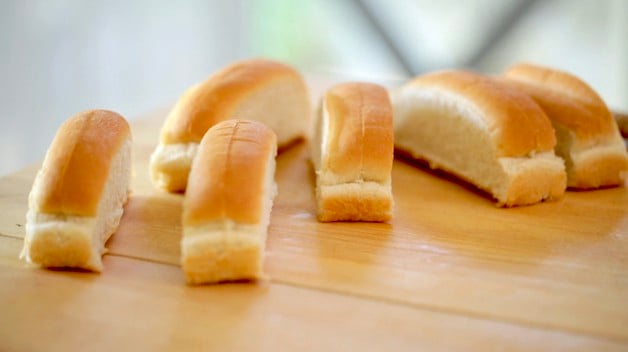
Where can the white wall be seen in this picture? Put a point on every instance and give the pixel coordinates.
(60, 57)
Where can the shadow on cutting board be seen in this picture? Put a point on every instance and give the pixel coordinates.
(453, 215)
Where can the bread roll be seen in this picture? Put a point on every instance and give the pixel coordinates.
(482, 131)
(227, 207)
(587, 135)
(260, 90)
(77, 198)
(352, 153)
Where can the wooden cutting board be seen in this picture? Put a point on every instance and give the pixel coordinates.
(450, 271)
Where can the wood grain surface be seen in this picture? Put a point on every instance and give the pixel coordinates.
(449, 272)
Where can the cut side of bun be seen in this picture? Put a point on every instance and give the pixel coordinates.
(587, 135)
(77, 198)
(352, 153)
(261, 90)
(484, 132)
(226, 210)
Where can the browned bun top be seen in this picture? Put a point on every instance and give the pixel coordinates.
(227, 180)
(75, 170)
(515, 122)
(566, 100)
(215, 99)
(360, 132)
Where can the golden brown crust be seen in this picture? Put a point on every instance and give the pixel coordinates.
(622, 123)
(76, 167)
(566, 100)
(360, 136)
(517, 124)
(228, 173)
(216, 99)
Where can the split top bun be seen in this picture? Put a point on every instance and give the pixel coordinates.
(261, 90)
(229, 180)
(352, 152)
(226, 211)
(587, 134)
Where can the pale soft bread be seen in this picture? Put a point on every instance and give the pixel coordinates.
(587, 135)
(260, 90)
(77, 198)
(352, 153)
(484, 132)
(226, 210)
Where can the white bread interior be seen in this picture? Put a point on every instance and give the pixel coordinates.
(278, 99)
(280, 105)
(170, 165)
(61, 240)
(449, 132)
(356, 191)
(224, 237)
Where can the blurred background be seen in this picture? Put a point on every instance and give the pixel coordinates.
(60, 57)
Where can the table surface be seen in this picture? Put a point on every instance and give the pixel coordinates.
(450, 271)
